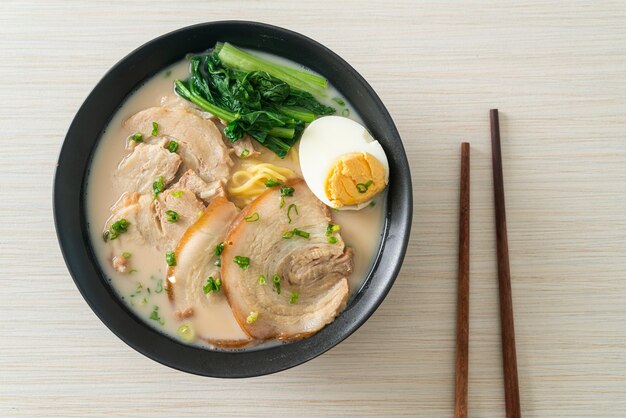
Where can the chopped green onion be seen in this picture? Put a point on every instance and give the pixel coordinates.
(155, 315)
(285, 191)
(276, 280)
(332, 240)
(251, 319)
(294, 207)
(331, 229)
(171, 216)
(126, 255)
(339, 101)
(243, 262)
(170, 258)
(252, 218)
(158, 186)
(155, 129)
(172, 146)
(244, 153)
(271, 183)
(136, 137)
(177, 194)
(116, 229)
(372, 204)
(212, 285)
(218, 262)
(362, 187)
(218, 249)
(159, 286)
(296, 231)
(294, 297)
(185, 332)
(345, 112)
(262, 279)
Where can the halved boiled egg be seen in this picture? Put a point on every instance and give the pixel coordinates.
(341, 163)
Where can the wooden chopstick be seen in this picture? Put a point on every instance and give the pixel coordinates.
(462, 318)
(509, 356)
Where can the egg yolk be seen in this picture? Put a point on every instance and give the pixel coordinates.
(354, 178)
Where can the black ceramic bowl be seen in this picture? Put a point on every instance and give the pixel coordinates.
(82, 139)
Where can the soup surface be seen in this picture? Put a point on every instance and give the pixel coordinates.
(142, 281)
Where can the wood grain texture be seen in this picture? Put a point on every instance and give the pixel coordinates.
(557, 72)
(463, 288)
(507, 328)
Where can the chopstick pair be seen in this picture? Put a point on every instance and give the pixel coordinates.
(511, 387)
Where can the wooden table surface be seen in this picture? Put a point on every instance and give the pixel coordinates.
(557, 72)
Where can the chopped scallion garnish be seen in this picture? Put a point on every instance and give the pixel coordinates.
(285, 191)
(331, 229)
(332, 240)
(126, 254)
(296, 231)
(276, 280)
(170, 258)
(154, 315)
(252, 218)
(185, 332)
(158, 186)
(159, 286)
(136, 137)
(172, 146)
(241, 261)
(345, 112)
(262, 279)
(212, 285)
(271, 183)
(362, 187)
(294, 297)
(295, 208)
(244, 153)
(155, 129)
(177, 194)
(218, 249)
(171, 216)
(251, 319)
(339, 101)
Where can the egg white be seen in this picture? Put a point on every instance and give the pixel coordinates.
(324, 141)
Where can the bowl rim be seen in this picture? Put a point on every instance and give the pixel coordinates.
(68, 205)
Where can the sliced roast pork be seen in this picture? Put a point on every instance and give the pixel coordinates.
(200, 142)
(142, 167)
(203, 190)
(193, 284)
(282, 276)
(160, 222)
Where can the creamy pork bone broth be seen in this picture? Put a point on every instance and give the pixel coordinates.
(200, 312)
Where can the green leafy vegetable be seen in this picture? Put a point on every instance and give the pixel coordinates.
(268, 101)
(243, 262)
(155, 129)
(170, 258)
(212, 285)
(171, 216)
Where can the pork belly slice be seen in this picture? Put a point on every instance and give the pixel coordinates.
(311, 267)
(203, 190)
(201, 147)
(143, 166)
(195, 263)
(148, 220)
